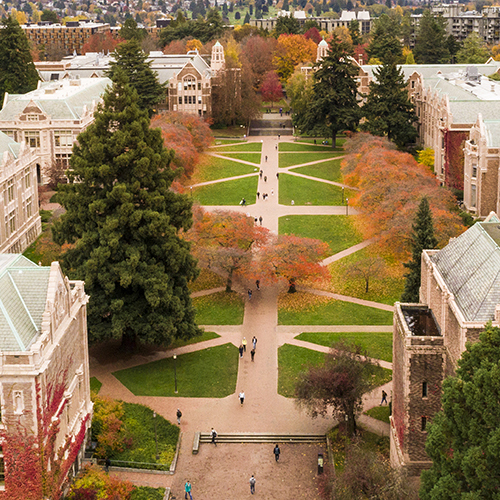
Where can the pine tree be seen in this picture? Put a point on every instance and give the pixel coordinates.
(18, 74)
(463, 438)
(431, 45)
(422, 239)
(334, 105)
(385, 44)
(388, 110)
(473, 51)
(130, 58)
(125, 221)
(247, 19)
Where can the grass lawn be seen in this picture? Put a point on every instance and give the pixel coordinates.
(378, 345)
(328, 170)
(301, 146)
(220, 308)
(228, 192)
(206, 280)
(95, 385)
(385, 286)
(248, 146)
(235, 131)
(331, 312)
(308, 192)
(139, 425)
(219, 142)
(209, 373)
(212, 168)
(292, 360)
(251, 157)
(336, 230)
(147, 493)
(310, 140)
(379, 412)
(291, 159)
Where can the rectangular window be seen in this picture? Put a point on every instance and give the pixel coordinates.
(27, 178)
(424, 423)
(190, 100)
(10, 189)
(180, 100)
(474, 171)
(185, 99)
(32, 138)
(29, 207)
(199, 99)
(63, 138)
(473, 195)
(199, 85)
(179, 86)
(32, 118)
(12, 222)
(10, 133)
(424, 389)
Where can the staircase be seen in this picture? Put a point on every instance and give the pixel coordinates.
(264, 438)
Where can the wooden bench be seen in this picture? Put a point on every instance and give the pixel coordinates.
(196, 443)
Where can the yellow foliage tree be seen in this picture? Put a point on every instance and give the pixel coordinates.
(291, 51)
(232, 51)
(193, 44)
(343, 33)
(426, 157)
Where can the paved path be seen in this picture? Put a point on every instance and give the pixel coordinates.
(264, 410)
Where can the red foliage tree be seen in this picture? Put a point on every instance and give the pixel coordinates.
(313, 34)
(188, 135)
(391, 185)
(258, 52)
(101, 42)
(175, 47)
(271, 89)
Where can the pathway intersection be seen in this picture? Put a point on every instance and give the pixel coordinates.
(264, 410)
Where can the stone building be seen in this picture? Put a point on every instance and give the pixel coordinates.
(459, 294)
(44, 364)
(50, 118)
(20, 222)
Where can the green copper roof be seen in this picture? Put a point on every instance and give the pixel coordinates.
(23, 296)
(8, 144)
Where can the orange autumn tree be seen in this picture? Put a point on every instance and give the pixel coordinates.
(226, 242)
(292, 50)
(101, 42)
(391, 185)
(188, 135)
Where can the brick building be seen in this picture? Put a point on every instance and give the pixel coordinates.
(20, 222)
(44, 365)
(459, 294)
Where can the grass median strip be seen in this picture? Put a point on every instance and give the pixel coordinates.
(248, 146)
(212, 168)
(208, 373)
(228, 192)
(251, 157)
(291, 159)
(222, 308)
(328, 170)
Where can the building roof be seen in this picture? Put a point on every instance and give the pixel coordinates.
(493, 133)
(23, 296)
(8, 144)
(470, 267)
(61, 100)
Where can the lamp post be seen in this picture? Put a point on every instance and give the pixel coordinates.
(175, 373)
(156, 437)
(347, 206)
(342, 196)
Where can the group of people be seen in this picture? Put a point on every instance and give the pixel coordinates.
(243, 346)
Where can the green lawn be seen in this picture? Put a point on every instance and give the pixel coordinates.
(95, 385)
(222, 142)
(328, 170)
(335, 312)
(228, 192)
(202, 338)
(213, 168)
(378, 345)
(292, 360)
(336, 230)
(385, 286)
(208, 373)
(338, 143)
(220, 308)
(379, 412)
(147, 493)
(249, 146)
(301, 146)
(291, 159)
(251, 157)
(308, 192)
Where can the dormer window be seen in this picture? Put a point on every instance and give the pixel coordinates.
(32, 118)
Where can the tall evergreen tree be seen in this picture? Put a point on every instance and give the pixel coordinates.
(354, 32)
(473, 51)
(130, 31)
(18, 74)
(124, 222)
(131, 60)
(385, 44)
(422, 239)
(431, 45)
(388, 110)
(334, 106)
(463, 439)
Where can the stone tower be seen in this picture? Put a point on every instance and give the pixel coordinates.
(218, 61)
(322, 50)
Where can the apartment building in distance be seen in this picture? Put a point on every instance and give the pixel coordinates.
(50, 118)
(44, 371)
(69, 37)
(20, 222)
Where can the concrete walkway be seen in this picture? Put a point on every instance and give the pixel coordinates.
(264, 410)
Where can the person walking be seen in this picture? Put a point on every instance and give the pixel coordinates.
(240, 349)
(278, 175)
(266, 158)
(277, 452)
(252, 484)
(179, 415)
(252, 353)
(384, 398)
(260, 220)
(244, 344)
(213, 435)
(242, 398)
(243, 202)
(257, 282)
(265, 178)
(258, 194)
(272, 192)
(249, 294)
(260, 173)
(254, 342)
(187, 490)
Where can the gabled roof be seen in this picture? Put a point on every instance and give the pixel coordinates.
(470, 267)
(23, 296)
(8, 144)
